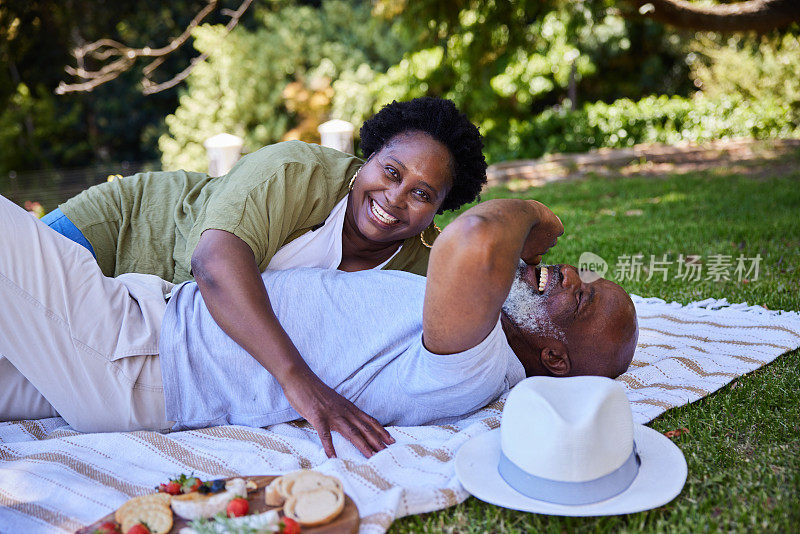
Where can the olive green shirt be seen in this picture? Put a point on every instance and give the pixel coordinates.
(151, 222)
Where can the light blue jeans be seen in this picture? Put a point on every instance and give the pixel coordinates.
(61, 224)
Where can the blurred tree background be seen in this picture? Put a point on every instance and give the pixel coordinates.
(538, 76)
(115, 122)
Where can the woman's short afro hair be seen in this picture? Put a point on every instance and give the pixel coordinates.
(440, 119)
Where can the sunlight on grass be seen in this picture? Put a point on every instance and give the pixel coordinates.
(743, 446)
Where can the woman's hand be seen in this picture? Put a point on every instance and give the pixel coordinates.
(230, 282)
(543, 236)
(327, 411)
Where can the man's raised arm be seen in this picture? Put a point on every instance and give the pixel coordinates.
(472, 266)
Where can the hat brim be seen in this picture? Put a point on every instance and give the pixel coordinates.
(661, 477)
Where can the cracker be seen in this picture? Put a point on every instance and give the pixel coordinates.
(158, 498)
(156, 516)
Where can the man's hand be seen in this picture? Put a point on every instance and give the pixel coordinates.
(327, 411)
(543, 236)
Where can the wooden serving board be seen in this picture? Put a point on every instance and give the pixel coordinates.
(346, 523)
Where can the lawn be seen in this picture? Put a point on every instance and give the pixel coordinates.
(743, 445)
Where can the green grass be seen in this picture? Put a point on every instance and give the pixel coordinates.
(743, 446)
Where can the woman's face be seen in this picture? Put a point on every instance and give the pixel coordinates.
(400, 188)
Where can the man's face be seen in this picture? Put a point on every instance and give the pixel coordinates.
(593, 323)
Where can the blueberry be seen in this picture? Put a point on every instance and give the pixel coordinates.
(218, 485)
(204, 489)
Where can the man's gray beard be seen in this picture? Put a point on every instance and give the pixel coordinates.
(525, 307)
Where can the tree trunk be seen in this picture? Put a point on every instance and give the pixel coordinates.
(750, 15)
(572, 88)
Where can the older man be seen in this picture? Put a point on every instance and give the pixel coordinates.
(113, 354)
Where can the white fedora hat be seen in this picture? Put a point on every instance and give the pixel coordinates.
(568, 446)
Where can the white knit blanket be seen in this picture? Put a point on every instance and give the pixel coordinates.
(53, 479)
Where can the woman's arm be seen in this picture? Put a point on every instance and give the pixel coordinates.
(229, 280)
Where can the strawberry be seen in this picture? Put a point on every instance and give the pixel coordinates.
(109, 527)
(289, 526)
(181, 484)
(139, 528)
(193, 483)
(238, 507)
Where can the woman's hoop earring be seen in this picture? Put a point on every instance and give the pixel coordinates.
(353, 179)
(422, 236)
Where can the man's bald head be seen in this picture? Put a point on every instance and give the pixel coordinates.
(570, 327)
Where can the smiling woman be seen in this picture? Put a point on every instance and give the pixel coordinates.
(284, 206)
(394, 196)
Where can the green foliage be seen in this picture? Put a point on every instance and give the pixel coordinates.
(357, 95)
(625, 123)
(503, 60)
(755, 68)
(115, 121)
(36, 129)
(511, 66)
(240, 89)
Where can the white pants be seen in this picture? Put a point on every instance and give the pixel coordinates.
(72, 341)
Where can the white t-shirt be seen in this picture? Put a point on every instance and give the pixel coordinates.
(360, 332)
(318, 248)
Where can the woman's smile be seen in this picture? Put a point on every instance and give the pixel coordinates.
(382, 216)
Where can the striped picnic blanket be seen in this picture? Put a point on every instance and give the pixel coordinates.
(53, 479)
